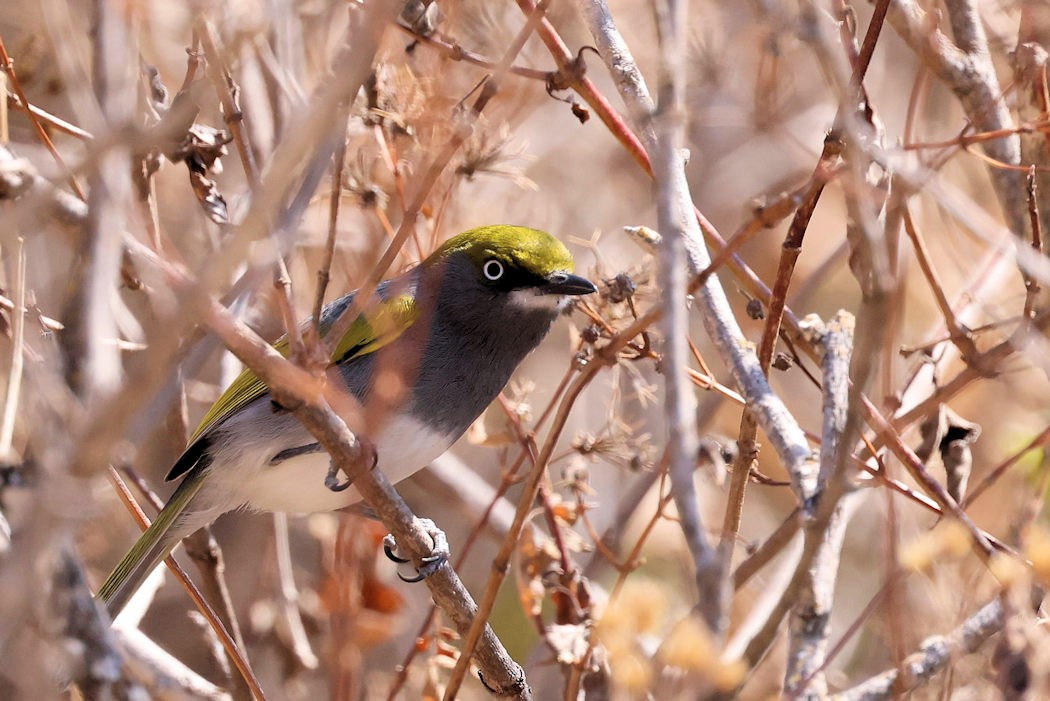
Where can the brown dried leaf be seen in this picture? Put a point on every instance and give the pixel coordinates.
(952, 435)
(211, 200)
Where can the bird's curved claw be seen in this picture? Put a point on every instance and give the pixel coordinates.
(439, 552)
(332, 481)
(389, 546)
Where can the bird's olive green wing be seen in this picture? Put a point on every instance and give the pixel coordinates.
(370, 331)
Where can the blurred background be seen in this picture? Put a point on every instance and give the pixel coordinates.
(332, 619)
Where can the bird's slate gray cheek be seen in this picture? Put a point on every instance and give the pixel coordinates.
(473, 348)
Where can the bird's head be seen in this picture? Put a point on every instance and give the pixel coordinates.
(531, 268)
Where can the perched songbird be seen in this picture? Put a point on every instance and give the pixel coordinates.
(448, 333)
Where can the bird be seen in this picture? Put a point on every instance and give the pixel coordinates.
(449, 333)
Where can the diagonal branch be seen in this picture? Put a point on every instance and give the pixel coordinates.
(674, 213)
(935, 654)
(785, 435)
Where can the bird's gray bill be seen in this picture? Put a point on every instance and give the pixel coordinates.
(568, 284)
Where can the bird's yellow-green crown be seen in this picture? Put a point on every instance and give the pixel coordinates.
(530, 249)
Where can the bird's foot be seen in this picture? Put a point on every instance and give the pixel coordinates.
(439, 551)
(332, 481)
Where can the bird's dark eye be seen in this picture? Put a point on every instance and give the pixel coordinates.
(492, 269)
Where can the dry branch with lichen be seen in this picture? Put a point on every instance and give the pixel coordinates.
(177, 184)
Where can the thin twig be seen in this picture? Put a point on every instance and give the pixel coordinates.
(747, 447)
(289, 621)
(673, 214)
(1041, 439)
(933, 655)
(325, 270)
(231, 648)
(958, 334)
(14, 378)
(811, 615)
(7, 65)
(51, 120)
(787, 438)
(457, 53)
(1031, 283)
(227, 91)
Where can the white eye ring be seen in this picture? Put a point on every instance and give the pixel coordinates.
(493, 269)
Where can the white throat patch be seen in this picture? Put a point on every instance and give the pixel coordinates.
(531, 300)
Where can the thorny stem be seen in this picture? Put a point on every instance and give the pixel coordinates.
(457, 53)
(571, 73)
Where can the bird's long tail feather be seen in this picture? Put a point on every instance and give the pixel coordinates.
(150, 549)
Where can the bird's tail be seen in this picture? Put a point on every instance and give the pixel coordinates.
(149, 550)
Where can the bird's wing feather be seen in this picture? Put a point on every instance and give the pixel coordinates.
(155, 544)
(369, 332)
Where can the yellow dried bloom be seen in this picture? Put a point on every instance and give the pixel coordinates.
(949, 538)
(1006, 568)
(631, 671)
(689, 647)
(1037, 550)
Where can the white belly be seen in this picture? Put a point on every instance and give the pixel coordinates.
(296, 485)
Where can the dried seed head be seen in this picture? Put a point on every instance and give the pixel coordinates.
(620, 288)
(491, 152)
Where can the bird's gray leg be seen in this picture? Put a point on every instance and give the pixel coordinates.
(331, 480)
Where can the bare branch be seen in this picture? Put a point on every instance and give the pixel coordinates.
(811, 616)
(674, 213)
(933, 655)
(776, 421)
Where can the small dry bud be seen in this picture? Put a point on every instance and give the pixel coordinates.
(783, 361)
(620, 288)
